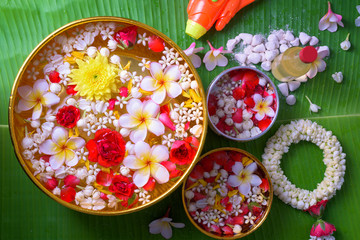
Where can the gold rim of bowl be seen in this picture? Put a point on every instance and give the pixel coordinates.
(21, 73)
(262, 220)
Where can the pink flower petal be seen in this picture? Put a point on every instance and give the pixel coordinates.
(210, 65)
(141, 176)
(148, 84)
(159, 153)
(49, 147)
(270, 112)
(165, 119)
(333, 27)
(128, 121)
(251, 167)
(222, 61)
(150, 108)
(57, 160)
(234, 181)
(323, 24)
(173, 89)
(25, 105)
(190, 50)
(49, 99)
(333, 18)
(25, 92)
(156, 226)
(40, 86)
(134, 106)
(268, 100)
(166, 232)
(196, 60)
(216, 52)
(321, 65)
(257, 98)
(237, 168)
(159, 173)
(133, 162)
(156, 70)
(312, 72)
(60, 135)
(69, 157)
(259, 116)
(159, 95)
(139, 134)
(172, 73)
(75, 143)
(37, 111)
(244, 188)
(255, 180)
(155, 126)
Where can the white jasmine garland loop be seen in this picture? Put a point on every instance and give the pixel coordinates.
(334, 159)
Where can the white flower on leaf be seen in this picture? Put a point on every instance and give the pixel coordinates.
(357, 20)
(263, 106)
(215, 58)
(338, 77)
(146, 163)
(313, 107)
(191, 53)
(330, 21)
(244, 177)
(141, 117)
(345, 45)
(163, 226)
(61, 148)
(36, 97)
(162, 83)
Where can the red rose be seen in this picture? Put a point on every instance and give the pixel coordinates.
(182, 152)
(318, 209)
(70, 90)
(107, 148)
(126, 37)
(122, 187)
(322, 228)
(68, 116)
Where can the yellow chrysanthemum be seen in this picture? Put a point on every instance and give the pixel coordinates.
(95, 79)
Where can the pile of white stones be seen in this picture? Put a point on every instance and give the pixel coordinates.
(257, 49)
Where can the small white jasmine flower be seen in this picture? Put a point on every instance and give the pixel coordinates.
(345, 45)
(338, 77)
(313, 107)
(142, 39)
(189, 194)
(237, 228)
(168, 140)
(124, 171)
(55, 88)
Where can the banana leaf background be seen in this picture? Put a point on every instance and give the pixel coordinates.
(27, 213)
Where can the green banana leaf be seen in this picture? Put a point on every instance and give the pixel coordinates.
(27, 213)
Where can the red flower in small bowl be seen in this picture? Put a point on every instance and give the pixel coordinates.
(107, 148)
(68, 116)
(182, 152)
(126, 37)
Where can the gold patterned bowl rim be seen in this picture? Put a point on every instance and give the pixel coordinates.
(262, 220)
(21, 73)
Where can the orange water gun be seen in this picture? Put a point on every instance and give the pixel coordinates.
(202, 14)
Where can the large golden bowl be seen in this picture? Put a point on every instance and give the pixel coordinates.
(264, 215)
(16, 120)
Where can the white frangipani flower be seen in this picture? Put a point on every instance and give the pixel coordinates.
(146, 163)
(61, 148)
(36, 97)
(162, 83)
(163, 226)
(141, 117)
(244, 177)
